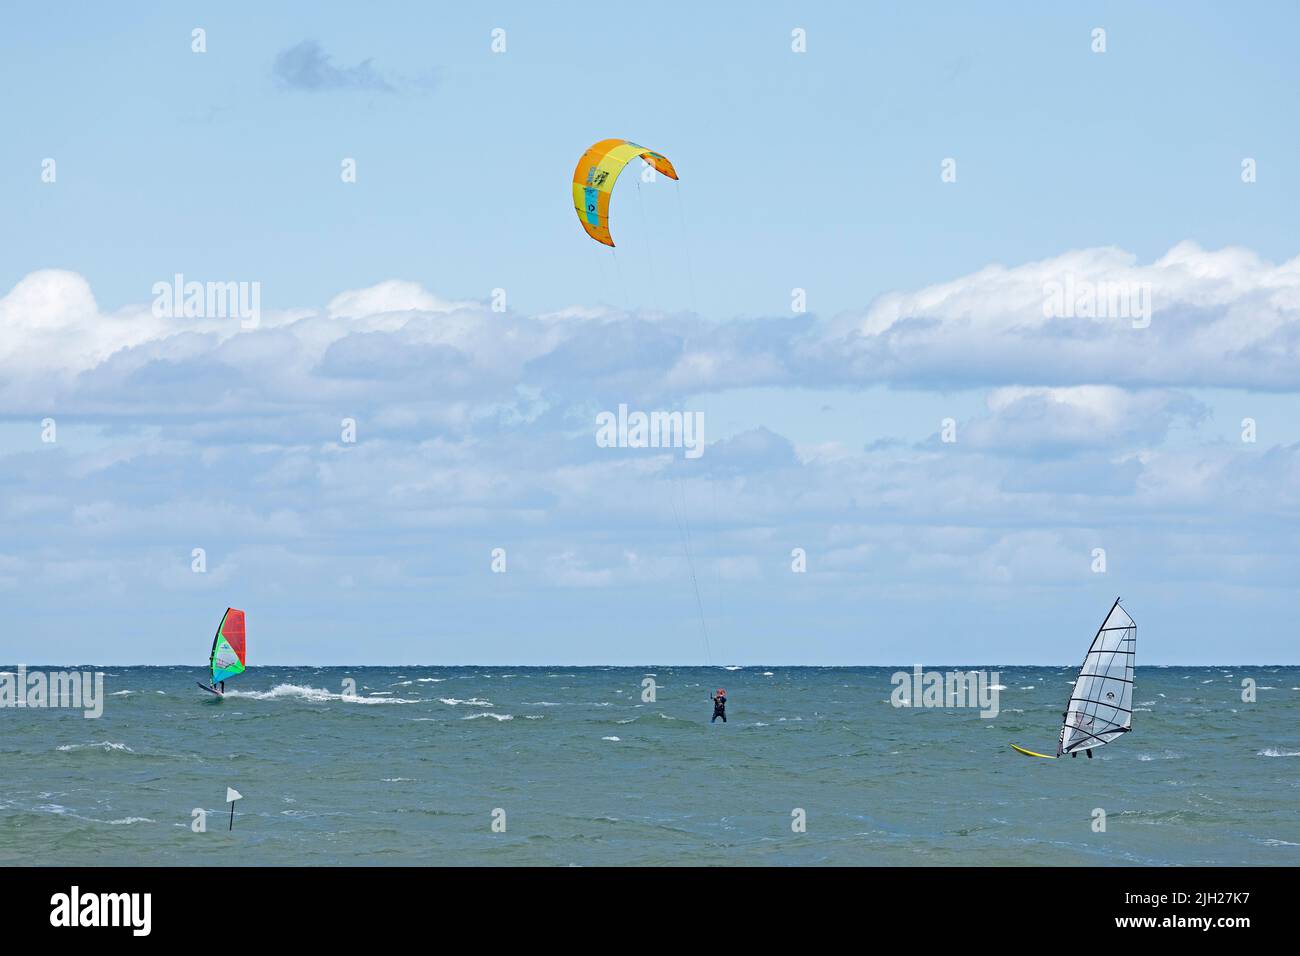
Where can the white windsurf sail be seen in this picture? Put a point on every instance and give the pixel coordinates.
(1101, 704)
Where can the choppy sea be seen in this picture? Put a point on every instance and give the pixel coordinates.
(573, 766)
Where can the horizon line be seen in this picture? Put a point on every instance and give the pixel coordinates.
(641, 666)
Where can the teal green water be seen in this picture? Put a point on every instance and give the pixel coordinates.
(587, 773)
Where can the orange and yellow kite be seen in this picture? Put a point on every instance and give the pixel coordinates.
(593, 181)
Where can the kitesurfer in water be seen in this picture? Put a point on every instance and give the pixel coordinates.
(719, 705)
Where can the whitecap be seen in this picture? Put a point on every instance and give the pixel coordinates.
(105, 745)
(314, 694)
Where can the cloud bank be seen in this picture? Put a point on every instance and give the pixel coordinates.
(476, 430)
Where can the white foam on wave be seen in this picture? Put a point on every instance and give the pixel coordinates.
(473, 702)
(121, 693)
(127, 821)
(1163, 755)
(610, 738)
(104, 745)
(497, 717)
(1276, 752)
(316, 694)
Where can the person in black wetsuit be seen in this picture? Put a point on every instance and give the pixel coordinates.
(719, 705)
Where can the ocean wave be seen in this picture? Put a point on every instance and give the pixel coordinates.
(497, 717)
(105, 745)
(1275, 752)
(473, 702)
(315, 694)
(1163, 755)
(610, 738)
(121, 693)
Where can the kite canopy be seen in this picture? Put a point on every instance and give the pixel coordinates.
(228, 654)
(593, 181)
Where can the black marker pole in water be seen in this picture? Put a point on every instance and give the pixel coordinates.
(231, 796)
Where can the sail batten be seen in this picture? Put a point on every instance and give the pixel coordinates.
(229, 652)
(1100, 708)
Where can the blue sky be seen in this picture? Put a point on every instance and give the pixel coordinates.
(818, 171)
